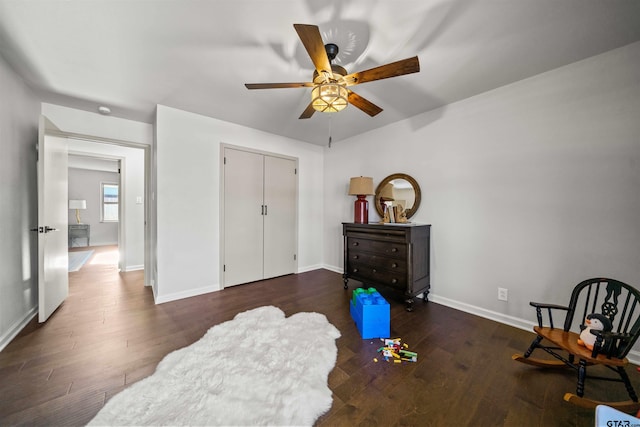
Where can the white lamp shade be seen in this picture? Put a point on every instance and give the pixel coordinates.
(77, 204)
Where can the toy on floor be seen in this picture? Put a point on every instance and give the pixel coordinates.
(395, 350)
(595, 322)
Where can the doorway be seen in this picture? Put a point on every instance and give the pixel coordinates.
(127, 171)
(94, 211)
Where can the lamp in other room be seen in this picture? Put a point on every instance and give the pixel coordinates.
(77, 205)
(361, 186)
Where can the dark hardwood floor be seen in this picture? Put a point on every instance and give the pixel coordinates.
(109, 334)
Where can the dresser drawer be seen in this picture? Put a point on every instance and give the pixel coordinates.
(377, 261)
(388, 249)
(371, 274)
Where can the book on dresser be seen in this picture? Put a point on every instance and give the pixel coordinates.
(397, 257)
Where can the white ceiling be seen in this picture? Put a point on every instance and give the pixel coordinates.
(196, 55)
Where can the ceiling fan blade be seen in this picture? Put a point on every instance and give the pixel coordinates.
(277, 85)
(367, 106)
(394, 69)
(312, 41)
(308, 112)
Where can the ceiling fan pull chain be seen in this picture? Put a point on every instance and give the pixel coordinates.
(330, 130)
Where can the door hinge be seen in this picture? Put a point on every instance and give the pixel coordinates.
(224, 161)
(224, 268)
(295, 171)
(294, 257)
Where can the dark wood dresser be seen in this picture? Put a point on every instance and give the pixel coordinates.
(396, 256)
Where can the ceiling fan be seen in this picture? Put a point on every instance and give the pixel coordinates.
(330, 83)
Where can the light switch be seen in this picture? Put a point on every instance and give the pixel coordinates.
(139, 200)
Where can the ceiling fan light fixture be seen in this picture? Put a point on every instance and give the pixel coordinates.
(329, 97)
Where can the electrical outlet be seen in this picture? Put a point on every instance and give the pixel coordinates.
(502, 294)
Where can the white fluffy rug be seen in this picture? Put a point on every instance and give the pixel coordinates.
(260, 368)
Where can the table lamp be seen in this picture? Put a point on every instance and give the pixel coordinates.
(77, 205)
(361, 186)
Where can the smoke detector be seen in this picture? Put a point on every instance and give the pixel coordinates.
(105, 111)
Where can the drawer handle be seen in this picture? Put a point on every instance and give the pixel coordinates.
(355, 270)
(394, 249)
(356, 257)
(374, 270)
(355, 243)
(394, 281)
(394, 265)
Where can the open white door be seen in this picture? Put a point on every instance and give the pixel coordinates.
(53, 256)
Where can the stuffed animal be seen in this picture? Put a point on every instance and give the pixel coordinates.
(595, 322)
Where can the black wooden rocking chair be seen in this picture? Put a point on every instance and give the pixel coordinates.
(620, 304)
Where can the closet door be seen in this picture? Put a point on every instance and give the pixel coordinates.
(243, 217)
(280, 218)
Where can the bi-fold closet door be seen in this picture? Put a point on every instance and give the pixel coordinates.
(260, 218)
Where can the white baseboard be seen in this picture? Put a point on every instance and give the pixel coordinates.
(482, 312)
(102, 243)
(309, 268)
(15, 329)
(333, 268)
(161, 299)
(133, 268)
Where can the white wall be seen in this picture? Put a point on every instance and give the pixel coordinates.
(532, 187)
(85, 184)
(19, 111)
(188, 198)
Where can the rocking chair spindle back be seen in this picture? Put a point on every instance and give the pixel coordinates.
(616, 305)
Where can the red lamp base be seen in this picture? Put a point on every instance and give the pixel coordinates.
(361, 210)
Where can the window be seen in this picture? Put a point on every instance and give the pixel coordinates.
(109, 202)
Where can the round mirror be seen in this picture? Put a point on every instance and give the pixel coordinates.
(398, 189)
